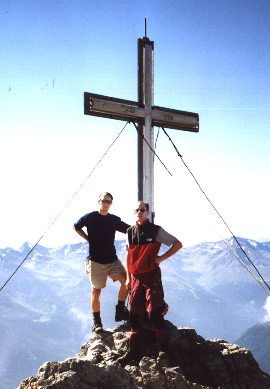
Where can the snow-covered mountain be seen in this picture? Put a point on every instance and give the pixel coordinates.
(209, 289)
(47, 301)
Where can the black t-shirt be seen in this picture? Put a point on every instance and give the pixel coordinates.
(101, 231)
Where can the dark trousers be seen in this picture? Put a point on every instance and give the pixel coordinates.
(146, 304)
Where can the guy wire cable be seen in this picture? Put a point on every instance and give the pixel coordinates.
(237, 256)
(243, 264)
(63, 209)
(156, 142)
(153, 151)
(240, 260)
(215, 209)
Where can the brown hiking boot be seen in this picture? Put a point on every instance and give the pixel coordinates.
(97, 327)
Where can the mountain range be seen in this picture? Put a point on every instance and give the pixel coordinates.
(45, 306)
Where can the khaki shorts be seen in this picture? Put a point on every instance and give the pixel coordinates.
(98, 273)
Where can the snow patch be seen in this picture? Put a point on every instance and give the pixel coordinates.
(267, 308)
(253, 243)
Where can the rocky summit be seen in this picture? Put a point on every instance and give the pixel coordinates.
(190, 362)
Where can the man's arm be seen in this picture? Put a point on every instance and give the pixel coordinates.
(82, 233)
(122, 226)
(177, 245)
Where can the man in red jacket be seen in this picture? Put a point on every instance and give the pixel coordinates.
(144, 278)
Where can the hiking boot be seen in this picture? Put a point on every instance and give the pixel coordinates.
(97, 327)
(121, 313)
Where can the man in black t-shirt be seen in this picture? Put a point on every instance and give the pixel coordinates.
(102, 261)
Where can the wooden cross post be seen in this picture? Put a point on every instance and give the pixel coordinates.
(146, 115)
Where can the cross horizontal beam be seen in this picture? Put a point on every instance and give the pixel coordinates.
(173, 118)
(127, 110)
(112, 108)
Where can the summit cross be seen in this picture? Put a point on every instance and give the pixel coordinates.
(146, 115)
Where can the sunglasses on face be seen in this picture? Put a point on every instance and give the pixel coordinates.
(106, 201)
(140, 210)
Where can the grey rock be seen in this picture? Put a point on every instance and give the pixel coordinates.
(191, 362)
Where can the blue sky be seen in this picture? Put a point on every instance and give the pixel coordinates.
(211, 57)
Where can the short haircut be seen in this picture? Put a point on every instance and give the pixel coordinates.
(146, 205)
(106, 194)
